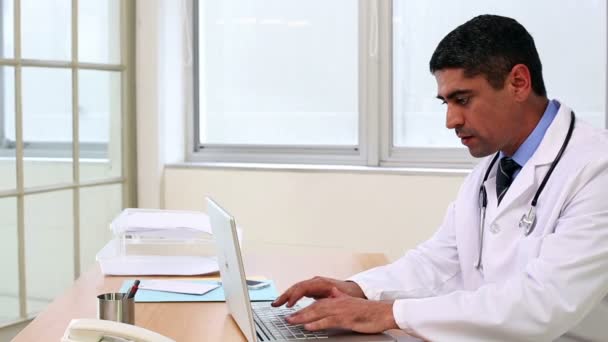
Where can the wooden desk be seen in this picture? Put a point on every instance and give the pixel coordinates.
(195, 321)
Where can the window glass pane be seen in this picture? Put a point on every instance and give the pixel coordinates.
(278, 72)
(8, 178)
(47, 125)
(46, 28)
(99, 31)
(100, 124)
(6, 28)
(9, 266)
(574, 70)
(98, 207)
(49, 256)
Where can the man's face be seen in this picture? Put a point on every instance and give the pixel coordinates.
(485, 119)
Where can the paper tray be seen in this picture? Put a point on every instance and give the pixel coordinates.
(112, 263)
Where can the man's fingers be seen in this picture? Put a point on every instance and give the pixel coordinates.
(291, 296)
(280, 300)
(335, 293)
(286, 296)
(310, 313)
(323, 323)
(295, 296)
(316, 287)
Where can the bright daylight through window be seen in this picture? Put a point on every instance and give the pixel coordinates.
(286, 74)
(278, 72)
(47, 97)
(574, 70)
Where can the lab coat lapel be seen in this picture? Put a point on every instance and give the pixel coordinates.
(528, 180)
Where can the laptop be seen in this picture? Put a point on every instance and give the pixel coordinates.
(258, 320)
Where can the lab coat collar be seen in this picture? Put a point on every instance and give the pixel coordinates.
(525, 183)
(553, 139)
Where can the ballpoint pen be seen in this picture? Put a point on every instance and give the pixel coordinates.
(133, 290)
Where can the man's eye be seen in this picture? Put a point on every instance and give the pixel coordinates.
(443, 102)
(462, 100)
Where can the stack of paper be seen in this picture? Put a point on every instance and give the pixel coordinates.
(161, 223)
(159, 242)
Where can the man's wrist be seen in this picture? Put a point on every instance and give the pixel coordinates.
(389, 321)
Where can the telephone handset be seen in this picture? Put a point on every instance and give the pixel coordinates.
(94, 330)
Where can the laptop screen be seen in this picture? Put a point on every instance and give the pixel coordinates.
(232, 270)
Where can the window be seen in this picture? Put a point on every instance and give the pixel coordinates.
(278, 76)
(284, 81)
(574, 71)
(64, 103)
(47, 79)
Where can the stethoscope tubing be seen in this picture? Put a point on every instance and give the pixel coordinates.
(530, 219)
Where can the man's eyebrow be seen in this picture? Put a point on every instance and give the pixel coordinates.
(455, 93)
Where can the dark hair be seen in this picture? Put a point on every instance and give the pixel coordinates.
(491, 46)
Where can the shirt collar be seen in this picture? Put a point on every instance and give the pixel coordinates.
(527, 149)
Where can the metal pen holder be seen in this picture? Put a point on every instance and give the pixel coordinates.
(112, 307)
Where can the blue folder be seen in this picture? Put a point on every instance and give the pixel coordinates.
(217, 295)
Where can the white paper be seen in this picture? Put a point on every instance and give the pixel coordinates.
(146, 220)
(177, 286)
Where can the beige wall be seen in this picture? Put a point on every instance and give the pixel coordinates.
(357, 211)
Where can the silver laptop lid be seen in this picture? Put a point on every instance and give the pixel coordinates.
(232, 270)
(232, 273)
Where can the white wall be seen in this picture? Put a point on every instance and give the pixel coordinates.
(163, 73)
(355, 211)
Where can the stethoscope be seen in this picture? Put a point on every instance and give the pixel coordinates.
(527, 221)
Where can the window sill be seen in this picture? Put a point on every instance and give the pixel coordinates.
(320, 168)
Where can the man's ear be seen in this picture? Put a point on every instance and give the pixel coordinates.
(520, 82)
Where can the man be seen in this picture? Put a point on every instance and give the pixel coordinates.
(506, 272)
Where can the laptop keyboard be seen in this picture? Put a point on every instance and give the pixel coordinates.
(274, 320)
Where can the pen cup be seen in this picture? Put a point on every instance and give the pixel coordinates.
(112, 307)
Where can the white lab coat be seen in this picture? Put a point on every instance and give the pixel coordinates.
(532, 288)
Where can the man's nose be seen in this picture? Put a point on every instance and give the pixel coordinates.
(453, 118)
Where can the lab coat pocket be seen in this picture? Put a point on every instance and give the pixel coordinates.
(528, 249)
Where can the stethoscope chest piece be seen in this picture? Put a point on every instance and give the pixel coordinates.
(528, 221)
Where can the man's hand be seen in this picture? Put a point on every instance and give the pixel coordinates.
(317, 288)
(343, 311)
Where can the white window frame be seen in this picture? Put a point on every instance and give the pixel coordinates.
(376, 148)
(50, 149)
(71, 151)
(300, 154)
